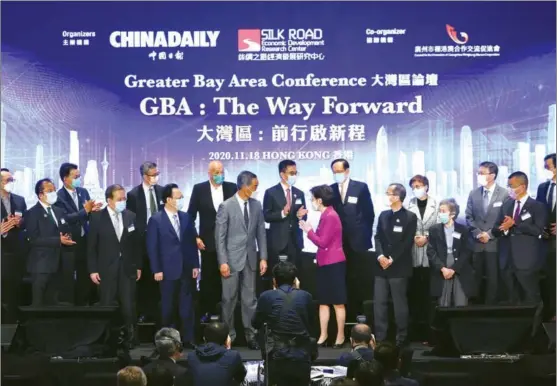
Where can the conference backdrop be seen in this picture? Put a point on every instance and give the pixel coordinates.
(395, 88)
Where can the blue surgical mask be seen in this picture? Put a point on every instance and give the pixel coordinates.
(291, 180)
(120, 206)
(76, 183)
(444, 218)
(180, 204)
(339, 178)
(218, 179)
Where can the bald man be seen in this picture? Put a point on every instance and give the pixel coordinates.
(205, 200)
(362, 342)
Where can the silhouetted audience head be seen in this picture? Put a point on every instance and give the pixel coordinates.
(159, 375)
(387, 354)
(361, 336)
(168, 343)
(131, 376)
(369, 374)
(284, 273)
(217, 333)
(343, 382)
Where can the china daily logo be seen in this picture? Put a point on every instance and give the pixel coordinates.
(164, 39)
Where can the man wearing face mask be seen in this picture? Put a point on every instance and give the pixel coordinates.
(145, 200)
(172, 249)
(239, 225)
(205, 200)
(113, 262)
(547, 196)
(482, 209)
(76, 202)
(355, 208)
(284, 206)
(520, 225)
(48, 234)
(13, 208)
(393, 243)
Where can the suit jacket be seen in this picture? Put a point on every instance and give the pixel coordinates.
(77, 217)
(201, 202)
(280, 228)
(172, 256)
(523, 241)
(234, 243)
(419, 254)
(479, 221)
(328, 238)
(13, 241)
(397, 245)
(137, 204)
(44, 239)
(104, 250)
(356, 213)
(437, 254)
(542, 197)
(182, 376)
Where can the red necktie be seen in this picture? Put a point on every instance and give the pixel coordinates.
(517, 212)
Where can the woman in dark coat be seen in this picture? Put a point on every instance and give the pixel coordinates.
(452, 276)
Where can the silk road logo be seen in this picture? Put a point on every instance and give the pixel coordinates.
(249, 40)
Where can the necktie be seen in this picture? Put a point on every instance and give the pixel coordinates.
(486, 199)
(117, 226)
(517, 212)
(176, 225)
(246, 217)
(51, 215)
(75, 201)
(152, 202)
(341, 186)
(550, 200)
(288, 198)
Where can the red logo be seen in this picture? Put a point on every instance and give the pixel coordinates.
(249, 40)
(451, 31)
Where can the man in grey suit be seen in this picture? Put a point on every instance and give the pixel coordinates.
(482, 210)
(239, 224)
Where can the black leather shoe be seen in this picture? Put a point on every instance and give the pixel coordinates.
(253, 345)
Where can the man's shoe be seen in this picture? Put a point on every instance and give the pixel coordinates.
(253, 345)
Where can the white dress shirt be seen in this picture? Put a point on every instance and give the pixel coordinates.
(342, 190)
(174, 220)
(551, 182)
(241, 202)
(489, 191)
(117, 222)
(75, 198)
(522, 201)
(217, 195)
(46, 206)
(149, 190)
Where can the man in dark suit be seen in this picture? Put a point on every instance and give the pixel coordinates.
(172, 249)
(145, 200)
(205, 200)
(546, 195)
(168, 344)
(112, 258)
(13, 207)
(48, 233)
(284, 206)
(77, 204)
(355, 209)
(482, 209)
(393, 244)
(520, 225)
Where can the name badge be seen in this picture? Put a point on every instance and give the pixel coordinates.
(497, 204)
(525, 216)
(397, 229)
(131, 228)
(62, 221)
(456, 235)
(352, 200)
(298, 201)
(161, 203)
(18, 214)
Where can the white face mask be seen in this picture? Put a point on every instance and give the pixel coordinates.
(482, 180)
(388, 201)
(51, 198)
(9, 187)
(254, 195)
(548, 175)
(419, 193)
(315, 206)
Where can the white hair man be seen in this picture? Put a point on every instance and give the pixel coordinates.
(168, 344)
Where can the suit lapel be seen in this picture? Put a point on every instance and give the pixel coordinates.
(168, 223)
(443, 239)
(280, 195)
(429, 210)
(252, 212)
(110, 224)
(69, 198)
(209, 195)
(456, 241)
(349, 189)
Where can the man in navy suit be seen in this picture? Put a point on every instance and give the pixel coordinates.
(355, 209)
(48, 234)
(520, 226)
(172, 250)
(546, 195)
(77, 204)
(13, 207)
